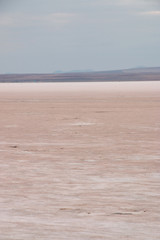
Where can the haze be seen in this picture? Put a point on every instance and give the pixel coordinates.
(45, 36)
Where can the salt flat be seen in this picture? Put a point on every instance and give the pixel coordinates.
(80, 161)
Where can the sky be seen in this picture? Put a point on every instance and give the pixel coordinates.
(46, 36)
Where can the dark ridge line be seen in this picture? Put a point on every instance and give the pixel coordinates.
(148, 74)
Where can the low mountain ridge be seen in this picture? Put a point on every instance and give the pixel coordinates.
(135, 74)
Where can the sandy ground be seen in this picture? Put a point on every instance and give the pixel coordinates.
(80, 161)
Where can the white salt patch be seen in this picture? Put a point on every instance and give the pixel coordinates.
(90, 160)
(155, 175)
(113, 180)
(10, 126)
(82, 124)
(143, 86)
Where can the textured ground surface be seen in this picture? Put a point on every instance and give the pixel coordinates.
(80, 162)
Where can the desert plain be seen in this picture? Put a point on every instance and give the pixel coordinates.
(80, 161)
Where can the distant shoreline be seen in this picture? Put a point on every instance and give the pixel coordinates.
(146, 74)
(79, 88)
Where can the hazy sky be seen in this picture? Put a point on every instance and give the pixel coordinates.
(40, 36)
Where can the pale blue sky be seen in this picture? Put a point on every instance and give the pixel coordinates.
(44, 36)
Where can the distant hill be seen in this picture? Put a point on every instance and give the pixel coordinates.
(137, 74)
(143, 70)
